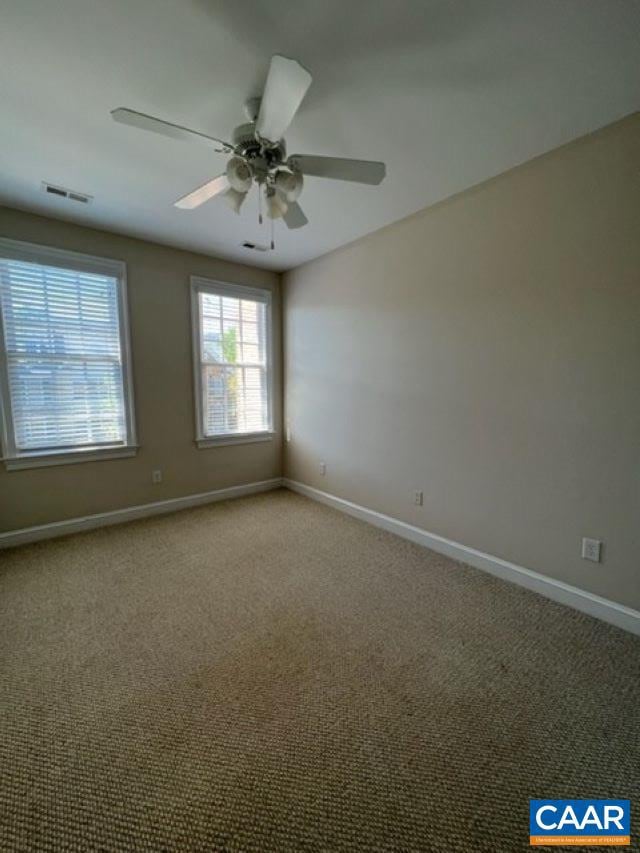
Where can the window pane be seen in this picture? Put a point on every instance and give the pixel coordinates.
(234, 372)
(58, 403)
(210, 311)
(62, 340)
(59, 312)
(235, 399)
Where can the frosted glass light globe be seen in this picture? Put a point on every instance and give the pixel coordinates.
(289, 184)
(239, 175)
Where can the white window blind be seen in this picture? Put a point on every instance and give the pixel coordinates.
(64, 371)
(232, 335)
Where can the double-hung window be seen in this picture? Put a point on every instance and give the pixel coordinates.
(232, 362)
(65, 380)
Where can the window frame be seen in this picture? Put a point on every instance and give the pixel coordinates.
(199, 284)
(15, 459)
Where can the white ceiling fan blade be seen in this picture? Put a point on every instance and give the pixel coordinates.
(286, 86)
(164, 128)
(339, 168)
(294, 216)
(204, 193)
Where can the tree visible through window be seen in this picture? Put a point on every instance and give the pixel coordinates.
(233, 361)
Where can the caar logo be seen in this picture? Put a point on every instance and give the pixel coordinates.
(579, 822)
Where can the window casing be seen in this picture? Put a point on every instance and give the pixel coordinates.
(65, 366)
(233, 362)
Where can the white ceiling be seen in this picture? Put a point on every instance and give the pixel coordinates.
(447, 92)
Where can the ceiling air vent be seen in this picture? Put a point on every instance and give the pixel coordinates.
(62, 192)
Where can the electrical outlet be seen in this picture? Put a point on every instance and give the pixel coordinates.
(156, 476)
(417, 498)
(591, 550)
(323, 469)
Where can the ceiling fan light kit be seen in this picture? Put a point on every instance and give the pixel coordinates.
(276, 204)
(289, 184)
(239, 175)
(234, 199)
(258, 149)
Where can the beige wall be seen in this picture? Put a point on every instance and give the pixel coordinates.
(487, 351)
(158, 286)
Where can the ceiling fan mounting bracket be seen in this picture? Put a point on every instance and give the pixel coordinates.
(252, 108)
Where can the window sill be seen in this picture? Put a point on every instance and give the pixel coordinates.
(45, 460)
(241, 438)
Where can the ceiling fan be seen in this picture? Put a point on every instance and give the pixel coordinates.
(259, 153)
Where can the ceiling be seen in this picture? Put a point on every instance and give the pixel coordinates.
(447, 92)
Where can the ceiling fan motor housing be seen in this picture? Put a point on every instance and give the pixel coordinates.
(247, 145)
(244, 138)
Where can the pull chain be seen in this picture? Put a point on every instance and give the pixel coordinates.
(273, 245)
(259, 205)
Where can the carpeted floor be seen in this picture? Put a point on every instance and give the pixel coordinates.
(270, 675)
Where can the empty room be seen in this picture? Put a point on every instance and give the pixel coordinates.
(319, 425)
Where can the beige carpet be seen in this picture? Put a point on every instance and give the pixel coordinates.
(270, 675)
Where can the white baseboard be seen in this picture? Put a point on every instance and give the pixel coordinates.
(609, 611)
(117, 516)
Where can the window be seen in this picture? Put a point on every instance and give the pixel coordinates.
(64, 375)
(232, 362)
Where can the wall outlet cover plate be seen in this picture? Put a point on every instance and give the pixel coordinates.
(591, 549)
